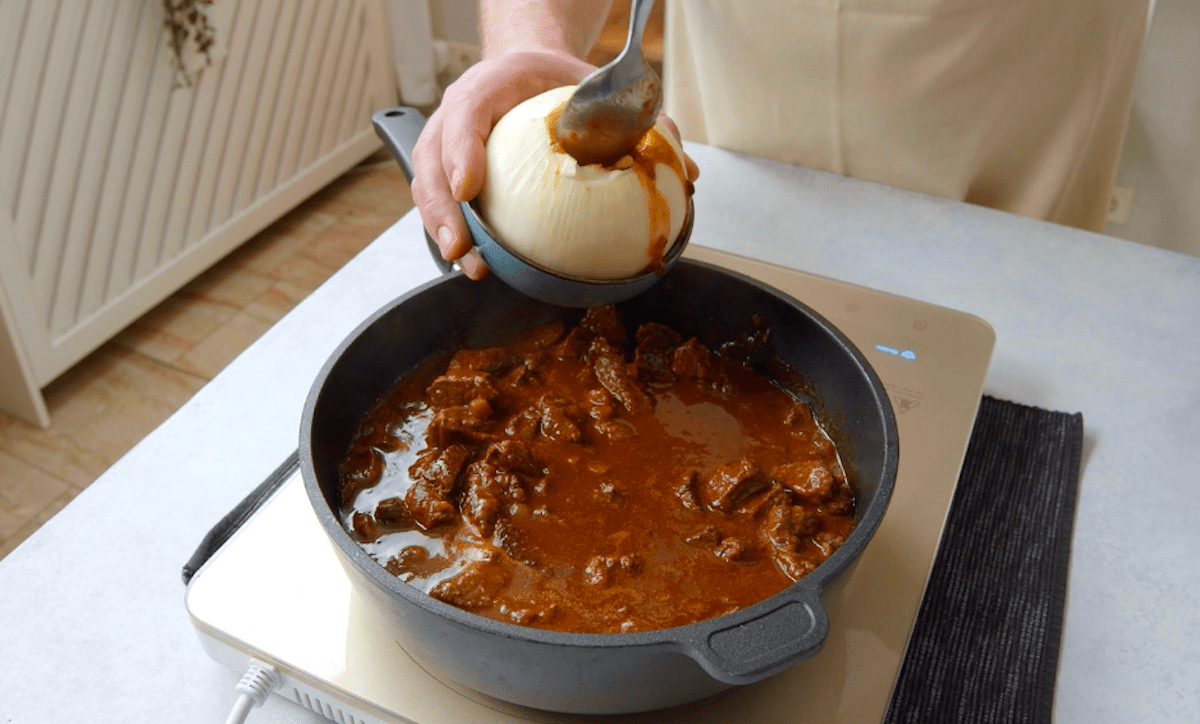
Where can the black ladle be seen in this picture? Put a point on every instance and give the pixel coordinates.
(401, 126)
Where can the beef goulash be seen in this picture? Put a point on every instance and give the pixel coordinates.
(582, 481)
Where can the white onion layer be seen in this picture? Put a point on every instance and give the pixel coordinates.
(586, 221)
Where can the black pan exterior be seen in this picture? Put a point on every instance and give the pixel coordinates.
(602, 673)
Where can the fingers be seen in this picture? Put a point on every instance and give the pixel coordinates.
(693, 171)
(465, 129)
(481, 97)
(473, 265)
(670, 123)
(431, 192)
(450, 157)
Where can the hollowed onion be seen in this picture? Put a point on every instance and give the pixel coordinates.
(590, 221)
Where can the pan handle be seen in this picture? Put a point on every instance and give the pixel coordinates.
(400, 127)
(753, 650)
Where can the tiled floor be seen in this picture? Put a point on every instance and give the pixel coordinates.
(108, 402)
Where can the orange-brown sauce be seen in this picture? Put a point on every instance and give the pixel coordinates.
(652, 150)
(583, 481)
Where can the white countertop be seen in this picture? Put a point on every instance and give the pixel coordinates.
(92, 623)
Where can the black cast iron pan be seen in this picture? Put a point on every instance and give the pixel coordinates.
(602, 673)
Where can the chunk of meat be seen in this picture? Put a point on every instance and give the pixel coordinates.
(492, 359)
(789, 526)
(794, 565)
(360, 470)
(735, 549)
(519, 375)
(513, 455)
(406, 561)
(789, 529)
(524, 424)
(459, 387)
(708, 535)
(574, 345)
(828, 541)
(820, 446)
(364, 527)
(381, 438)
(655, 349)
(616, 429)
(488, 490)
(527, 615)
(618, 377)
(393, 512)
(600, 405)
(475, 587)
(731, 483)
(438, 469)
(558, 420)
(511, 538)
(809, 479)
(841, 502)
(454, 424)
(610, 492)
(434, 475)
(758, 503)
(693, 361)
(799, 416)
(544, 335)
(602, 570)
(605, 323)
(686, 492)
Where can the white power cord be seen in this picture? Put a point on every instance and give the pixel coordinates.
(258, 681)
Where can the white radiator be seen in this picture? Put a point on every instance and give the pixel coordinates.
(117, 186)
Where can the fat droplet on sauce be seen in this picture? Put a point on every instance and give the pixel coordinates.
(652, 150)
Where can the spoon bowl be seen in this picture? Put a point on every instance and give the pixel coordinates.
(613, 107)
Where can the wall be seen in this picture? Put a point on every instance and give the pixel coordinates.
(455, 20)
(1161, 159)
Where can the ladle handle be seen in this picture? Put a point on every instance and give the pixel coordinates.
(400, 127)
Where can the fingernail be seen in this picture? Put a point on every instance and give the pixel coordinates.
(473, 265)
(456, 185)
(445, 240)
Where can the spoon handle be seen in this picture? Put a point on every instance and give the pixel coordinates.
(630, 65)
(638, 16)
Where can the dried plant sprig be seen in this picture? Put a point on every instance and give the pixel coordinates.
(186, 22)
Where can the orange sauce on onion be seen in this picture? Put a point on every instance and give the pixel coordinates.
(652, 150)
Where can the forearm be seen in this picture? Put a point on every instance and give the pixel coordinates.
(559, 26)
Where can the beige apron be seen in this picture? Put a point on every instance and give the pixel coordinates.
(1019, 105)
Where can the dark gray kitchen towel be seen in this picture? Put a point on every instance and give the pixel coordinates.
(985, 645)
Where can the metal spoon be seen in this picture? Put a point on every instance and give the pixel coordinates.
(400, 127)
(613, 107)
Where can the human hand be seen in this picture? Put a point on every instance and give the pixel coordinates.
(449, 159)
(690, 168)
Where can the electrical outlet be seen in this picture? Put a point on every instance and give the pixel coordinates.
(1120, 205)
